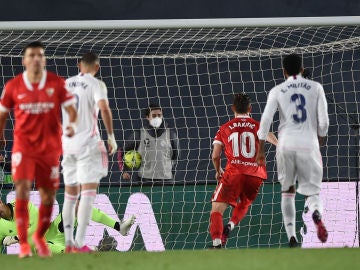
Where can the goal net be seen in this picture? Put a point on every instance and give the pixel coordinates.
(192, 72)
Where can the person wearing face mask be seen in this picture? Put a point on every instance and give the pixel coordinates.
(158, 146)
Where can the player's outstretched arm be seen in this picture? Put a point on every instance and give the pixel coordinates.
(321, 140)
(323, 116)
(260, 156)
(71, 128)
(271, 138)
(9, 238)
(106, 116)
(216, 160)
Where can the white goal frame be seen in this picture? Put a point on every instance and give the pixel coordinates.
(179, 23)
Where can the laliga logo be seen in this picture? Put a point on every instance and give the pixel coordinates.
(138, 205)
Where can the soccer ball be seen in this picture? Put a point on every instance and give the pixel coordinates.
(132, 159)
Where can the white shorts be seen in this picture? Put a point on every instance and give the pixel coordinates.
(305, 167)
(87, 167)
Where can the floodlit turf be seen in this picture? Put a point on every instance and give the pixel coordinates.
(249, 259)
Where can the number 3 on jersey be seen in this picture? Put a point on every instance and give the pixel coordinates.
(247, 144)
(300, 115)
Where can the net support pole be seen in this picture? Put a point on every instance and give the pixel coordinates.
(356, 128)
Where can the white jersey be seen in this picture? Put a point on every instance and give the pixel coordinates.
(87, 91)
(303, 114)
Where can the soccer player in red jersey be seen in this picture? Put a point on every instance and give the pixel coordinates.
(36, 96)
(239, 184)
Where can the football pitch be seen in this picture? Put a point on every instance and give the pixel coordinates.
(249, 259)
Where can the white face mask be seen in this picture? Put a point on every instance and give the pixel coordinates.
(156, 122)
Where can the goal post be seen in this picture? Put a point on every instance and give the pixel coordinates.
(192, 68)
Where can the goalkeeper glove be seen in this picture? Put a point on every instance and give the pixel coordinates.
(9, 240)
(112, 144)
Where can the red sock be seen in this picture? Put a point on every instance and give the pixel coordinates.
(216, 225)
(22, 219)
(239, 212)
(44, 219)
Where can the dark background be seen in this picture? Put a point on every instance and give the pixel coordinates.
(170, 9)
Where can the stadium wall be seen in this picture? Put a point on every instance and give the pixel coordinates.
(160, 9)
(177, 217)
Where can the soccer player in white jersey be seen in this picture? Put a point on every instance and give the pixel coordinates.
(85, 159)
(304, 123)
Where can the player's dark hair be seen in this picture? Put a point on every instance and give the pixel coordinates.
(241, 102)
(307, 73)
(151, 107)
(90, 58)
(34, 44)
(292, 64)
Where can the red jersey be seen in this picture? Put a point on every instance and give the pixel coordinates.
(37, 111)
(240, 142)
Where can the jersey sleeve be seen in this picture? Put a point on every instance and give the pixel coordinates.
(322, 113)
(267, 116)
(218, 138)
(100, 92)
(66, 98)
(7, 101)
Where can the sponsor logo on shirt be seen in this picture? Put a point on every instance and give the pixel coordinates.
(246, 163)
(37, 108)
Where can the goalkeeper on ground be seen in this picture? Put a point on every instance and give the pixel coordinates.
(55, 234)
(8, 232)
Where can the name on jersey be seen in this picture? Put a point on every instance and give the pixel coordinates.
(296, 85)
(36, 108)
(77, 84)
(245, 163)
(242, 124)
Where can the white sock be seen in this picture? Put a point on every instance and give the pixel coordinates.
(314, 203)
(289, 213)
(68, 216)
(84, 214)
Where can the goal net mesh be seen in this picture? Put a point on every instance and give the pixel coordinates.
(192, 74)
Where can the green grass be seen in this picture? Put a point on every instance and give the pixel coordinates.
(248, 259)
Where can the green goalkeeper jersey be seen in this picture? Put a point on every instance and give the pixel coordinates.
(8, 227)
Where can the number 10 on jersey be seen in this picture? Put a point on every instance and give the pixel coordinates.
(243, 143)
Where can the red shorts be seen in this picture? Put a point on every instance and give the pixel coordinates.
(234, 186)
(43, 169)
